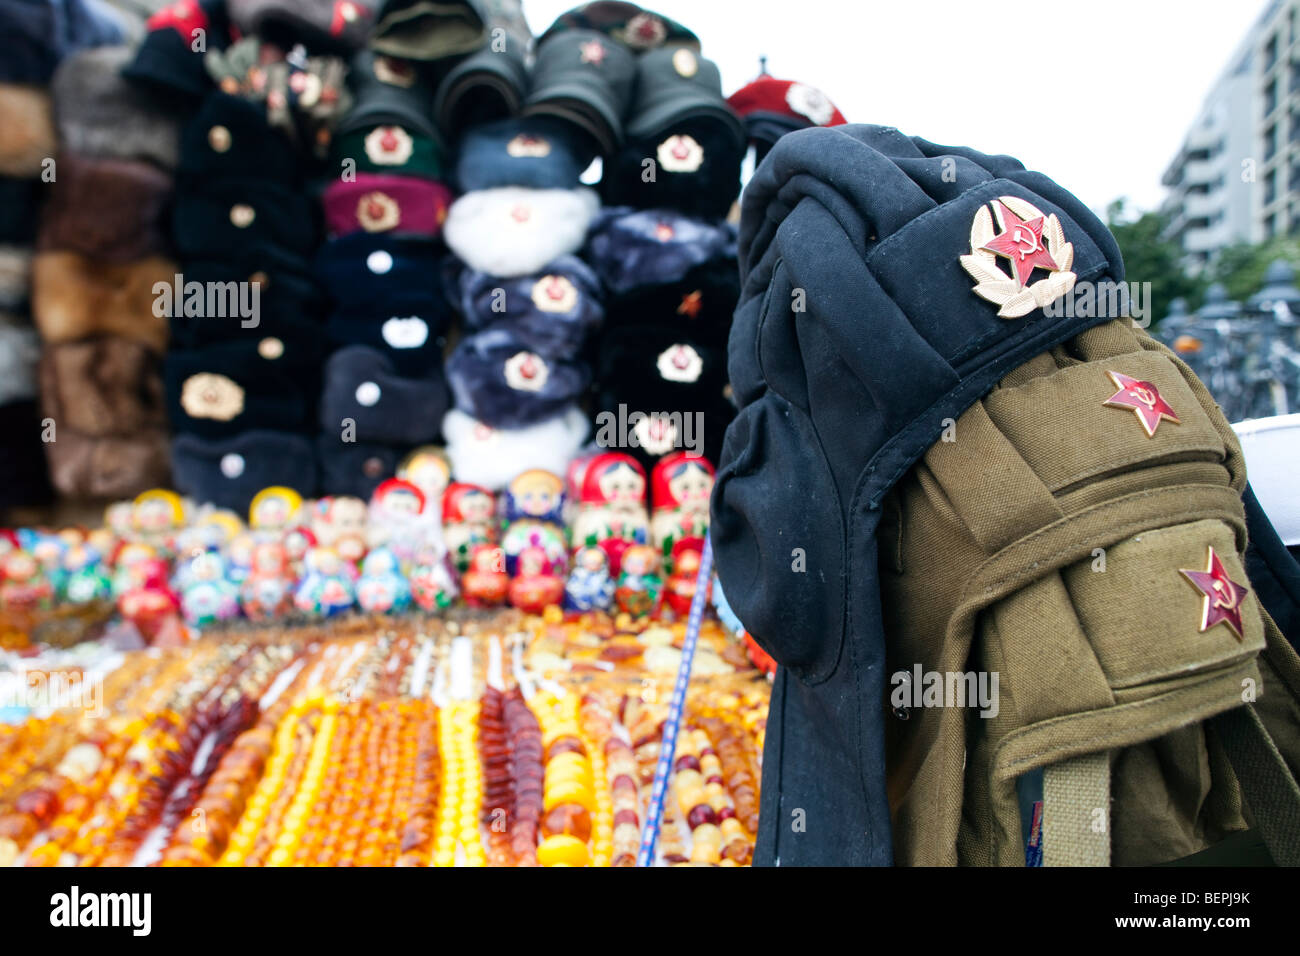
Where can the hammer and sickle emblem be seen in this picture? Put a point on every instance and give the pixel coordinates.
(1144, 395)
(1028, 242)
(1225, 594)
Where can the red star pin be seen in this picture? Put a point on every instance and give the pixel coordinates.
(1145, 400)
(593, 51)
(692, 302)
(1223, 596)
(1022, 243)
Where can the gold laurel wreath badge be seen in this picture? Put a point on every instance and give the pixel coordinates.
(995, 285)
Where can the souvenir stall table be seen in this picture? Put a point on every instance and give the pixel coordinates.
(350, 420)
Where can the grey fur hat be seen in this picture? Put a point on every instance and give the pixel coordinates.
(99, 113)
(15, 277)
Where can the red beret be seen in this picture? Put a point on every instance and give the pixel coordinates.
(804, 104)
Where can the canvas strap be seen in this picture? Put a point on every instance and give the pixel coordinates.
(1267, 784)
(1076, 811)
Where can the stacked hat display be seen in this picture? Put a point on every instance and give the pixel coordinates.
(242, 375)
(528, 305)
(103, 248)
(34, 39)
(384, 388)
(667, 257)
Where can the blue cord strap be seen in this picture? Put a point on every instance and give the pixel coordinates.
(668, 749)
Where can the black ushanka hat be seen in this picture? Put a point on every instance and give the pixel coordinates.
(226, 388)
(551, 313)
(412, 342)
(354, 468)
(169, 60)
(658, 368)
(381, 270)
(587, 79)
(229, 138)
(698, 305)
(486, 86)
(631, 248)
(229, 472)
(288, 303)
(892, 341)
(696, 170)
(498, 380)
(363, 386)
(99, 113)
(19, 202)
(675, 84)
(636, 28)
(227, 216)
(322, 26)
(391, 90)
(23, 477)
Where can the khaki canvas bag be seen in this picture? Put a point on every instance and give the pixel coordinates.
(1044, 541)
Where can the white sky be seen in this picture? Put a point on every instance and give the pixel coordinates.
(1096, 94)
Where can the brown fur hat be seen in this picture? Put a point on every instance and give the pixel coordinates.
(26, 130)
(102, 386)
(74, 297)
(113, 210)
(118, 467)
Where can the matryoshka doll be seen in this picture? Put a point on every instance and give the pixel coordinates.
(148, 602)
(428, 468)
(535, 585)
(468, 520)
(86, 579)
(8, 541)
(433, 585)
(129, 553)
(326, 588)
(590, 586)
(679, 589)
(486, 581)
(267, 591)
(22, 582)
(680, 486)
(639, 583)
(298, 540)
(534, 508)
(157, 516)
(118, 519)
(274, 510)
(612, 505)
(239, 557)
(535, 495)
(397, 518)
(207, 596)
(48, 549)
(339, 522)
(382, 588)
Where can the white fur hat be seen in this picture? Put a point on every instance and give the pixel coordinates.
(492, 457)
(513, 231)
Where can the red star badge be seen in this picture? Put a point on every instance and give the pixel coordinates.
(692, 302)
(593, 51)
(1145, 400)
(1223, 596)
(1022, 243)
